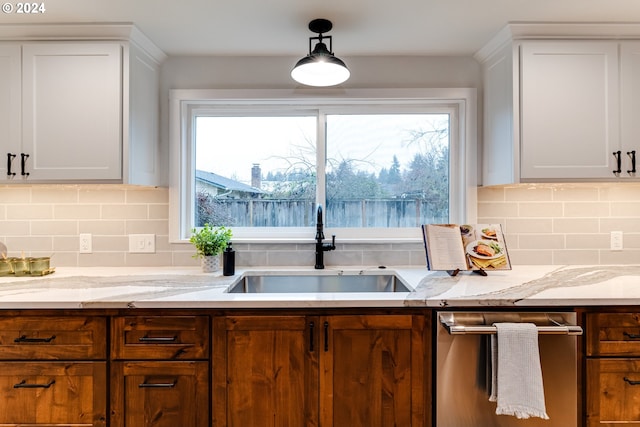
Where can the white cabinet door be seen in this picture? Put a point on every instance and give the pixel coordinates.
(630, 107)
(10, 84)
(569, 125)
(72, 110)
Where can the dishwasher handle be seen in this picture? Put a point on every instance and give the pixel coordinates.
(454, 328)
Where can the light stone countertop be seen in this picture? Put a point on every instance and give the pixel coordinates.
(186, 287)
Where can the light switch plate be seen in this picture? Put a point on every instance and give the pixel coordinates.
(142, 243)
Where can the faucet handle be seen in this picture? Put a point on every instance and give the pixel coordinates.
(333, 241)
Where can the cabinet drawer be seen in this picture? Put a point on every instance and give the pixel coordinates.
(613, 334)
(614, 386)
(53, 393)
(160, 394)
(53, 338)
(160, 337)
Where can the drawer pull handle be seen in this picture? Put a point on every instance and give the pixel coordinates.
(631, 382)
(157, 339)
(24, 339)
(631, 336)
(23, 384)
(158, 385)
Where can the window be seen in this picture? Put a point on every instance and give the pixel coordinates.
(380, 167)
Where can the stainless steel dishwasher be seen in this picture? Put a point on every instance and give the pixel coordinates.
(463, 375)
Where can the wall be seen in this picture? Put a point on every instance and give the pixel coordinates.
(269, 72)
(544, 224)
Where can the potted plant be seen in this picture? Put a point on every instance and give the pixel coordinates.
(209, 243)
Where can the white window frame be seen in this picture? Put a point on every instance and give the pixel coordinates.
(461, 102)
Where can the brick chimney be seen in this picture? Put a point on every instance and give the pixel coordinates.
(256, 176)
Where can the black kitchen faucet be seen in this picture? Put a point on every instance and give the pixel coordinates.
(320, 246)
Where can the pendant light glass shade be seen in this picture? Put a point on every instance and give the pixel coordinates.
(320, 67)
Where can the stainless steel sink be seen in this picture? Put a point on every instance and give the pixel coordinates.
(298, 283)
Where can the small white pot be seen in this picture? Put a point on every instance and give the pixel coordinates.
(210, 263)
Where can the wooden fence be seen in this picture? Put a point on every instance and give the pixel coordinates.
(338, 213)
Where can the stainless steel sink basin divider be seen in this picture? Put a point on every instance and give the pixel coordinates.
(312, 283)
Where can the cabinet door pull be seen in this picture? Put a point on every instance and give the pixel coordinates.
(25, 339)
(631, 336)
(157, 339)
(23, 384)
(23, 164)
(632, 154)
(158, 385)
(326, 336)
(311, 326)
(10, 158)
(617, 155)
(631, 382)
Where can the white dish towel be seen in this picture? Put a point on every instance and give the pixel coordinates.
(516, 374)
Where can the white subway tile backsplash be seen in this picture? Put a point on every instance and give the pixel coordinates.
(532, 193)
(539, 210)
(497, 209)
(27, 211)
(587, 209)
(576, 257)
(625, 209)
(588, 241)
(576, 225)
(530, 257)
(541, 241)
(620, 257)
(528, 225)
(15, 194)
(628, 225)
(124, 211)
(77, 211)
(15, 228)
(102, 195)
(543, 224)
(54, 194)
(54, 228)
(576, 193)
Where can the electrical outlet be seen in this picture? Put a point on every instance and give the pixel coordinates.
(616, 241)
(86, 244)
(142, 243)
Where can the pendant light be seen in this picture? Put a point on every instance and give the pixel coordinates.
(320, 67)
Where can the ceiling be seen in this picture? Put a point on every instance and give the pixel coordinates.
(361, 27)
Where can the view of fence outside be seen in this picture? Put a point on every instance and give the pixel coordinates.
(338, 213)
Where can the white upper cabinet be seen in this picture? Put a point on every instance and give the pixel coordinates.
(76, 110)
(10, 101)
(72, 111)
(569, 124)
(630, 107)
(562, 108)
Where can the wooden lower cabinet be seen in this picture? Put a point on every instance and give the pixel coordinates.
(160, 394)
(614, 392)
(57, 394)
(327, 371)
(612, 376)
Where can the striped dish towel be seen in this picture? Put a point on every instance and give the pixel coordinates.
(516, 374)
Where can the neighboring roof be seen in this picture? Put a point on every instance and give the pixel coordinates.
(223, 183)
